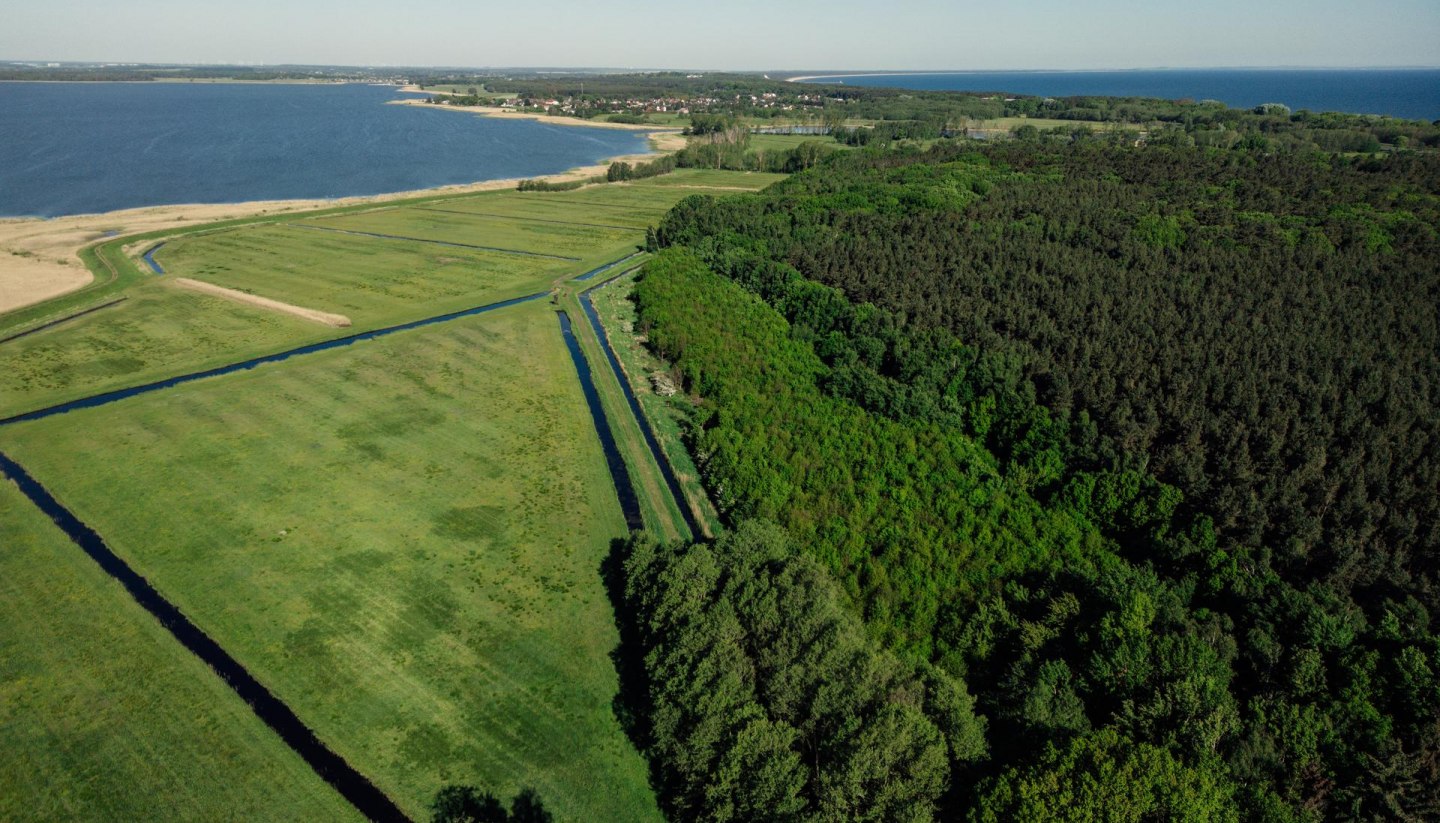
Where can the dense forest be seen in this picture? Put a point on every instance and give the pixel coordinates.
(1134, 444)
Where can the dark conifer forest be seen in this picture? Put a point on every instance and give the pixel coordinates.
(1103, 482)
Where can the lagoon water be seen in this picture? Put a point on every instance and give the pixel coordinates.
(76, 148)
(1409, 93)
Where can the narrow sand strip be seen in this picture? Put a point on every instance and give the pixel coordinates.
(338, 321)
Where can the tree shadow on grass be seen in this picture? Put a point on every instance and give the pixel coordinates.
(467, 804)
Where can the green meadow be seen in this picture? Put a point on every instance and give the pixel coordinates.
(402, 539)
(526, 236)
(374, 281)
(102, 711)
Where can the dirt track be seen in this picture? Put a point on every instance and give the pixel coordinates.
(338, 321)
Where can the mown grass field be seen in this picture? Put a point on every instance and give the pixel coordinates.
(402, 539)
(785, 142)
(529, 236)
(104, 716)
(159, 330)
(547, 207)
(374, 281)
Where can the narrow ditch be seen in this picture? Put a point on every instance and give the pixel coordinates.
(651, 440)
(624, 488)
(150, 258)
(608, 266)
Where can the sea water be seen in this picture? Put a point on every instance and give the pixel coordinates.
(75, 148)
(1408, 93)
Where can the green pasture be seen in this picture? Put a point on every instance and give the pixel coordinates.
(785, 142)
(530, 236)
(539, 206)
(373, 281)
(402, 539)
(104, 716)
(158, 331)
(606, 200)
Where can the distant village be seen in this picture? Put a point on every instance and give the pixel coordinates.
(589, 106)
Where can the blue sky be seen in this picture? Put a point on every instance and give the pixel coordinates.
(734, 34)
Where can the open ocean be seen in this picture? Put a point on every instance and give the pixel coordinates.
(1408, 93)
(77, 148)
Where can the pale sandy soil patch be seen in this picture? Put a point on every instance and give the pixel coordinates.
(338, 321)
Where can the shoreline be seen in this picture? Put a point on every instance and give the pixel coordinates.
(510, 114)
(40, 256)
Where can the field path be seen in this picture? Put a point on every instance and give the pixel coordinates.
(337, 321)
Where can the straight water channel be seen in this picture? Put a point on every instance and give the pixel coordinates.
(352, 785)
(629, 501)
(650, 439)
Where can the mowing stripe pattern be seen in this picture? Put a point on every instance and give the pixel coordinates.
(661, 459)
(121, 394)
(435, 242)
(351, 784)
(629, 500)
(523, 219)
(65, 319)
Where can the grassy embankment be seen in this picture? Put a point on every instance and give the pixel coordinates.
(401, 539)
(102, 712)
(617, 314)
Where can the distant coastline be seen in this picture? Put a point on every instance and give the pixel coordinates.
(1408, 93)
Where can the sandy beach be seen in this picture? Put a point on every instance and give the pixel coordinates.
(40, 258)
(511, 114)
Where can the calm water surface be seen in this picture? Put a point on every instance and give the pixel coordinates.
(1410, 93)
(74, 148)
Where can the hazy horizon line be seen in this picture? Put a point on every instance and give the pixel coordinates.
(821, 72)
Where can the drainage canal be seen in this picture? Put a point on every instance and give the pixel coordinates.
(629, 502)
(608, 266)
(352, 785)
(650, 439)
(150, 258)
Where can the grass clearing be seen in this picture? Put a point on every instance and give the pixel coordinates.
(539, 209)
(373, 281)
(785, 142)
(103, 716)
(158, 331)
(413, 566)
(558, 239)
